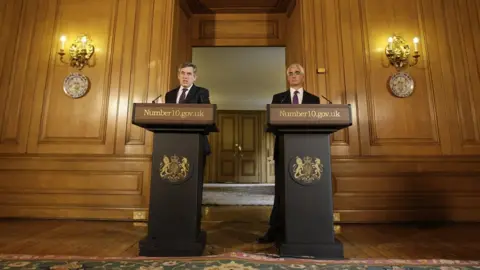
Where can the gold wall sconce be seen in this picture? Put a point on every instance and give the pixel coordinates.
(401, 84)
(81, 52)
(398, 52)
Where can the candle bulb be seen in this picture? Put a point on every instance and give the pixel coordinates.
(390, 43)
(62, 40)
(415, 44)
(84, 41)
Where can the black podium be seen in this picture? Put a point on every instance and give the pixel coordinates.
(303, 133)
(178, 160)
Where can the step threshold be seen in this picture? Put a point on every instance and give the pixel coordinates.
(237, 185)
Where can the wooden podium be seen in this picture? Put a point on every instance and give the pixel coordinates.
(178, 160)
(306, 176)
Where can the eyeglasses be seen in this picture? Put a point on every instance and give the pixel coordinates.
(294, 73)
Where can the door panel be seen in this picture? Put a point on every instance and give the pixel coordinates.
(226, 171)
(270, 164)
(248, 147)
(239, 147)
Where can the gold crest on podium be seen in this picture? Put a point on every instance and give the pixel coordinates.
(306, 170)
(174, 169)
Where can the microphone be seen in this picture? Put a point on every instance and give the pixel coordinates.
(201, 99)
(327, 99)
(283, 99)
(153, 101)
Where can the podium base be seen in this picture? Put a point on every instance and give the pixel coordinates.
(158, 248)
(317, 251)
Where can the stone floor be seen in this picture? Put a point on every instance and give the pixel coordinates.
(238, 194)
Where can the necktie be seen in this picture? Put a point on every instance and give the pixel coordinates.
(295, 97)
(183, 96)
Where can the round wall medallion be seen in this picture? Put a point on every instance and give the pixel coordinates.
(76, 85)
(401, 84)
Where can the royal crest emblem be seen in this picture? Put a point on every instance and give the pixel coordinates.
(174, 169)
(306, 170)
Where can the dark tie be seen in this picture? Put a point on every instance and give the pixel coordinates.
(183, 96)
(295, 97)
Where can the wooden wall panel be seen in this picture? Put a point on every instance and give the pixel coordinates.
(327, 42)
(293, 37)
(17, 71)
(182, 48)
(73, 186)
(238, 6)
(348, 40)
(83, 157)
(439, 120)
(238, 30)
(459, 22)
(406, 159)
(147, 72)
(91, 118)
(135, 83)
(414, 131)
(406, 189)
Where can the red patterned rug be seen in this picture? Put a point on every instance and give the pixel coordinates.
(234, 260)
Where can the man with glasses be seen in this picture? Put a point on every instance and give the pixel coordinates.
(294, 95)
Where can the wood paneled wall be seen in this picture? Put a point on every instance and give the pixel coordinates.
(294, 42)
(79, 158)
(238, 30)
(403, 159)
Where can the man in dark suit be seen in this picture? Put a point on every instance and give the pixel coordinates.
(187, 92)
(294, 95)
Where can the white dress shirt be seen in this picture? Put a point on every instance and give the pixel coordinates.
(300, 94)
(180, 92)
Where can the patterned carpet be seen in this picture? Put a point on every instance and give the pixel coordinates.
(229, 261)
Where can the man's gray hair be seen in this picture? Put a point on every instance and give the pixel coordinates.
(302, 70)
(188, 64)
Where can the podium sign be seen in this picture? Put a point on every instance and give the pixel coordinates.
(153, 114)
(318, 115)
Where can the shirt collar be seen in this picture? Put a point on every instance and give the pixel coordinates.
(188, 88)
(292, 91)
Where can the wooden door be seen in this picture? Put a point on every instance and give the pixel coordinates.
(239, 155)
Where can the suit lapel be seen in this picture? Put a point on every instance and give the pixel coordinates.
(191, 95)
(287, 99)
(307, 97)
(172, 98)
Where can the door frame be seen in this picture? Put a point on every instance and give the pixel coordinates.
(234, 29)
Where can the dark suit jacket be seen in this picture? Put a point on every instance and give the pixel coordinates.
(285, 98)
(198, 95)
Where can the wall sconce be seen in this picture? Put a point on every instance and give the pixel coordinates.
(81, 51)
(398, 52)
